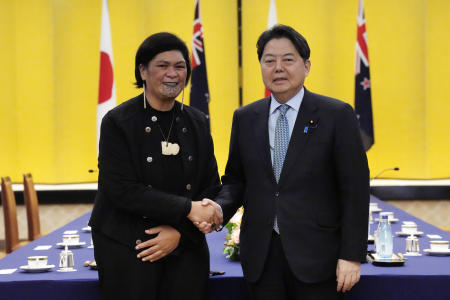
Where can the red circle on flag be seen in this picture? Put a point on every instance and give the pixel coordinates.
(106, 78)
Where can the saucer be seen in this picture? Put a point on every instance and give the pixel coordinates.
(66, 270)
(393, 261)
(437, 252)
(412, 254)
(401, 233)
(28, 269)
(77, 245)
(394, 220)
(86, 229)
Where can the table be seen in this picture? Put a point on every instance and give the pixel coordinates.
(424, 277)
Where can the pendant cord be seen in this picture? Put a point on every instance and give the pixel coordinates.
(170, 129)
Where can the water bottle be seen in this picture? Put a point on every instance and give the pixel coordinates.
(384, 240)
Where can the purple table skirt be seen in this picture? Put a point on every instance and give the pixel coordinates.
(424, 277)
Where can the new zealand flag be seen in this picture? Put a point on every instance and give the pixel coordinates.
(199, 81)
(363, 99)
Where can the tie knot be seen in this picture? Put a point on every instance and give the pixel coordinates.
(283, 108)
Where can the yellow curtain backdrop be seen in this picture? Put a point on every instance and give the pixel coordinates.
(49, 70)
(49, 75)
(409, 53)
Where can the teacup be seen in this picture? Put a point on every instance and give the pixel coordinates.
(390, 215)
(37, 261)
(409, 228)
(71, 239)
(439, 245)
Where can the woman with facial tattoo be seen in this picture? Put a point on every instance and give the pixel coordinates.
(156, 164)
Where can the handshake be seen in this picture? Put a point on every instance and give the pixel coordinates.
(206, 215)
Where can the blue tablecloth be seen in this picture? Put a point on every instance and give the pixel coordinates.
(424, 277)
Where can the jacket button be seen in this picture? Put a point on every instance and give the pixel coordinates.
(277, 194)
(138, 242)
(149, 159)
(150, 186)
(177, 119)
(144, 217)
(184, 129)
(188, 187)
(154, 119)
(190, 158)
(148, 129)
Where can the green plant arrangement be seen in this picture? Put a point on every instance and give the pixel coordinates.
(231, 249)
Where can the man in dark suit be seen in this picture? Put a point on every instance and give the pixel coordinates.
(297, 165)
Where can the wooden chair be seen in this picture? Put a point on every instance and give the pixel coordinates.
(32, 206)
(9, 210)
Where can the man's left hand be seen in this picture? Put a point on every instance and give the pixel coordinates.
(206, 227)
(347, 274)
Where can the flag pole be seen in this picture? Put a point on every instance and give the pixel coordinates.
(199, 97)
(272, 20)
(106, 91)
(363, 85)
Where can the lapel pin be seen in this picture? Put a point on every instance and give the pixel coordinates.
(311, 124)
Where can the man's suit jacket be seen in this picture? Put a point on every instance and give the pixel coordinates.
(321, 200)
(129, 199)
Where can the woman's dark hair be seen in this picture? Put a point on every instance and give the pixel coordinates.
(155, 44)
(283, 31)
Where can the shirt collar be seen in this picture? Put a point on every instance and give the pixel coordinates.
(293, 103)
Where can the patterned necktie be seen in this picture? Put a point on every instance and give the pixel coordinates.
(281, 143)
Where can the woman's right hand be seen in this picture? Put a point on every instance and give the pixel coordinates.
(163, 244)
(206, 211)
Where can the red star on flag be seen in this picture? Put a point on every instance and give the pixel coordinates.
(365, 83)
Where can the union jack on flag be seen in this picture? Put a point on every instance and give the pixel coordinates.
(363, 98)
(199, 83)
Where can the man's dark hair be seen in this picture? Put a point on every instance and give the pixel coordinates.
(283, 31)
(155, 44)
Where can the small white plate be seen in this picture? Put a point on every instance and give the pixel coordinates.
(370, 238)
(411, 254)
(28, 269)
(401, 233)
(78, 245)
(437, 253)
(394, 220)
(86, 229)
(376, 210)
(64, 270)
